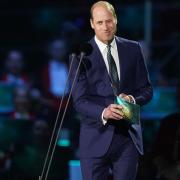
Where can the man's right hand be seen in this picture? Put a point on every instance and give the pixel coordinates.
(113, 111)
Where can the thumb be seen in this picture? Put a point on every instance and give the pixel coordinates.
(122, 95)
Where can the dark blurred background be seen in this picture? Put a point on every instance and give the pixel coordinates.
(35, 41)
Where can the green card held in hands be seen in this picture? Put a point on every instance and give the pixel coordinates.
(131, 111)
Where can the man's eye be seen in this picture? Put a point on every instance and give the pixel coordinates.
(109, 21)
(99, 23)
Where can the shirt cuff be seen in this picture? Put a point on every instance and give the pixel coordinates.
(132, 99)
(102, 118)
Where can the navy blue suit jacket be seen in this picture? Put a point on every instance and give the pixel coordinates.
(93, 92)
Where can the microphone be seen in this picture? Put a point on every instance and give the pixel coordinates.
(74, 49)
(78, 49)
(86, 49)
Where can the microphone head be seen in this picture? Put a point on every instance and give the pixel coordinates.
(86, 48)
(74, 49)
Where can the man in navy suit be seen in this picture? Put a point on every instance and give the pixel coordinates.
(106, 139)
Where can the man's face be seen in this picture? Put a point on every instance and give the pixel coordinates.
(104, 24)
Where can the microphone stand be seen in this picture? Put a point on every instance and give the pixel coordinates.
(50, 154)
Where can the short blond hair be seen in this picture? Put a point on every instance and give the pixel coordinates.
(106, 5)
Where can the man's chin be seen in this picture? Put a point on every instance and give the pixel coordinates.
(109, 40)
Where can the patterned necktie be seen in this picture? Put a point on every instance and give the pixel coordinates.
(112, 71)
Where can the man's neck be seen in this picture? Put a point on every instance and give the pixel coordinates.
(107, 43)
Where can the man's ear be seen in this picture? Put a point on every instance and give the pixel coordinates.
(116, 21)
(91, 22)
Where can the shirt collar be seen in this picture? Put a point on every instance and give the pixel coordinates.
(113, 44)
(102, 46)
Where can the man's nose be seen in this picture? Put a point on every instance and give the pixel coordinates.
(105, 26)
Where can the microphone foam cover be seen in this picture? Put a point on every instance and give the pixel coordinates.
(74, 49)
(86, 48)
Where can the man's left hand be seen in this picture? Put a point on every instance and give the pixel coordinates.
(125, 97)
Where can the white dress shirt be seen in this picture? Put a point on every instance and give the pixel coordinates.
(114, 51)
(103, 49)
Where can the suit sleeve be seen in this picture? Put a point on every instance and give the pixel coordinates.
(144, 90)
(81, 98)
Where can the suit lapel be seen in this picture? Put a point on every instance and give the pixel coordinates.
(99, 58)
(122, 51)
(122, 59)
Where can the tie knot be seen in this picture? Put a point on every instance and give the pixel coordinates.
(109, 48)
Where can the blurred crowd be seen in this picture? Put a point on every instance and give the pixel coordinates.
(32, 99)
